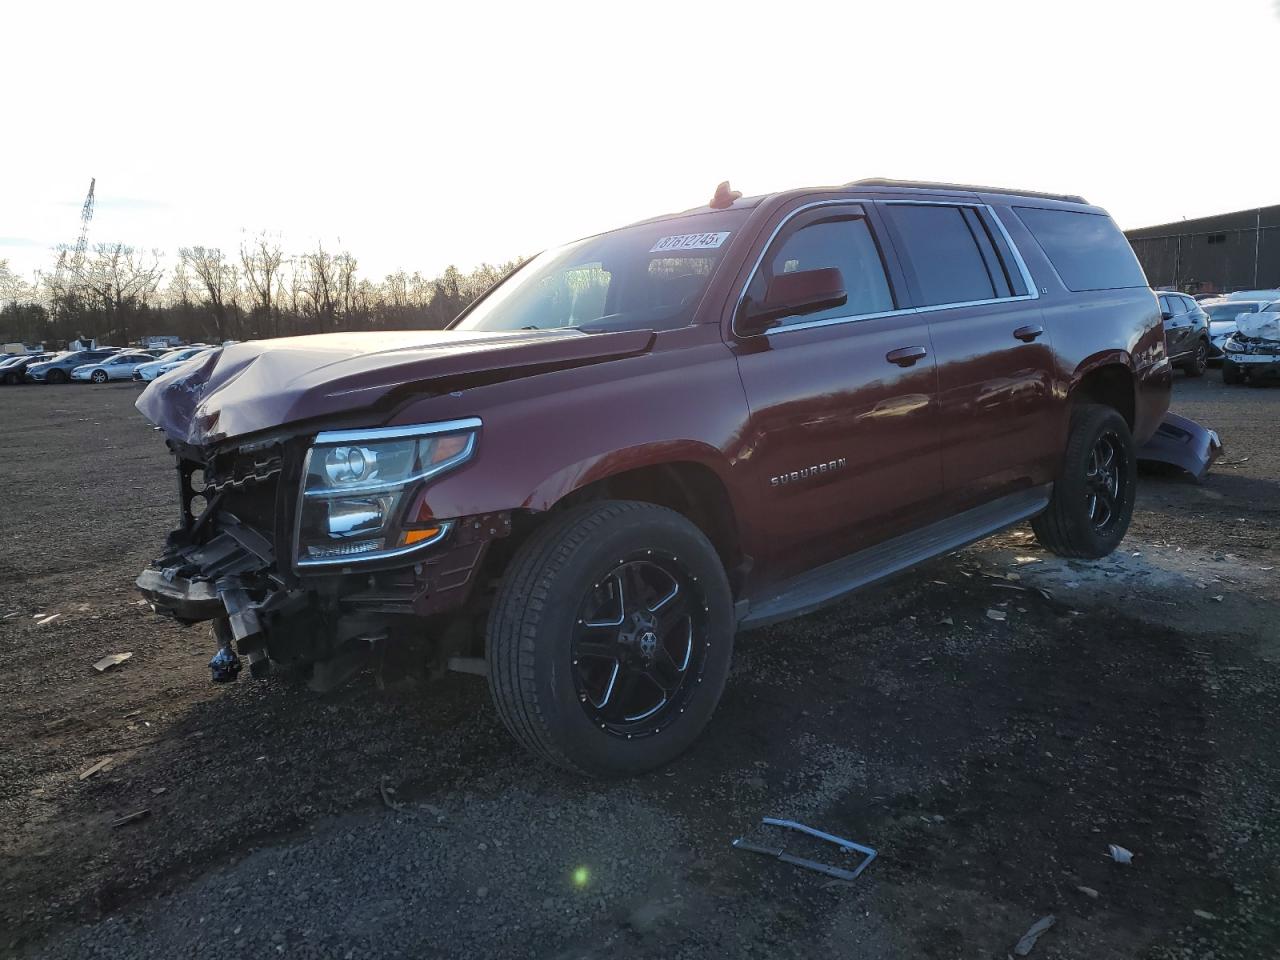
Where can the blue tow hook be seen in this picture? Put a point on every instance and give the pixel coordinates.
(225, 665)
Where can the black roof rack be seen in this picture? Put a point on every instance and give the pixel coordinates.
(928, 185)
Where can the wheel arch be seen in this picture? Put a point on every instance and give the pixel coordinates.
(690, 478)
(1107, 379)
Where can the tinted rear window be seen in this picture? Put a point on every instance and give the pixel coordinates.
(1087, 249)
(943, 252)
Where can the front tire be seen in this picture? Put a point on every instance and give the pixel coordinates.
(98, 376)
(609, 643)
(1092, 500)
(57, 376)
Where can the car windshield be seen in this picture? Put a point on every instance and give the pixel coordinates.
(1228, 311)
(646, 277)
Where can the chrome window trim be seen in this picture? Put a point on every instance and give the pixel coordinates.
(1032, 291)
(395, 433)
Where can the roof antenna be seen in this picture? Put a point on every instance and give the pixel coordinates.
(724, 197)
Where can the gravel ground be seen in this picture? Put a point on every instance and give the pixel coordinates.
(990, 762)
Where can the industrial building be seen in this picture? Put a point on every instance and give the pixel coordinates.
(1218, 254)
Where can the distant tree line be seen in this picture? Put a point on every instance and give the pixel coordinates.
(118, 294)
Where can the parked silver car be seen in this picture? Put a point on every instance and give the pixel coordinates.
(118, 367)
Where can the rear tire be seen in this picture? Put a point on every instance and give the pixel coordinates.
(1199, 361)
(555, 605)
(1231, 372)
(12, 379)
(1092, 500)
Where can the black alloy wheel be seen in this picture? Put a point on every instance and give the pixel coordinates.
(639, 645)
(1104, 478)
(1091, 503)
(609, 640)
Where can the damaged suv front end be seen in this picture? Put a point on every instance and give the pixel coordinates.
(311, 550)
(1253, 351)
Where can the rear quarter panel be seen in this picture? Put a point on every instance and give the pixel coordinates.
(1092, 329)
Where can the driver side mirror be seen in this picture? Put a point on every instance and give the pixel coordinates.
(793, 294)
(1166, 315)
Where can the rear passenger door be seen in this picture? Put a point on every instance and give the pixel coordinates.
(995, 363)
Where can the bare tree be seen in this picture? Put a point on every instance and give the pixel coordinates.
(122, 281)
(218, 278)
(12, 287)
(262, 262)
(320, 286)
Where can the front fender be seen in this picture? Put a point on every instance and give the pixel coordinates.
(614, 462)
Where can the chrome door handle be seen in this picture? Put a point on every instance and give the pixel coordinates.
(1029, 332)
(906, 356)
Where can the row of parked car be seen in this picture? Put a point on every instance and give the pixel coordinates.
(99, 365)
(1240, 330)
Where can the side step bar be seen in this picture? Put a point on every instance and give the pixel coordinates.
(827, 584)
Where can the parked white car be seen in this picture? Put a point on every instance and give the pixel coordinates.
(117, 367)
(149, 371)
(167, 365)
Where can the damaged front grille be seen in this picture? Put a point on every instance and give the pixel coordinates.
(1256, 345)
(241, 485)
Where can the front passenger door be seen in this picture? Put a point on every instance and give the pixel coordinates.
(842, 440)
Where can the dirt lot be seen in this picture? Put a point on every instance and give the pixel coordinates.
(990, 763)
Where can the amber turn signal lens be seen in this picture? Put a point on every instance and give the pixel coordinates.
(446, 448)
(417, 536)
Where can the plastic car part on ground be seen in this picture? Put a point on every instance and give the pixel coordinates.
(778, 853)
(1182, 443)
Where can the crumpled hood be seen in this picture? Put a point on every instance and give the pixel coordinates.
(1264, 326)
(248, 387)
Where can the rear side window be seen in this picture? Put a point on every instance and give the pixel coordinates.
(1087, 249)
(944, 252)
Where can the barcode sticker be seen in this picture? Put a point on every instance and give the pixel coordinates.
(690, 241)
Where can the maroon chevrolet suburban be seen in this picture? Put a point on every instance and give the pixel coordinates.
(640, 443)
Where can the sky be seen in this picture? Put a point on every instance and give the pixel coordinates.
(419, 135)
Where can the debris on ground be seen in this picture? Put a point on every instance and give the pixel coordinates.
(1089, 892)
(131, 817)
(997, 615)
(1119, 854)
(45, 621)
(1024, 945)
(1205, 915)
(778, 853)
(111, 660)
(387, 793)
(95, 768)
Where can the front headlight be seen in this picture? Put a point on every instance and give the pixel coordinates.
(358, 484)
(1233, 346)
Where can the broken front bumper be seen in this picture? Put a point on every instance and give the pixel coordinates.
(1259, 365)
(1182, 442)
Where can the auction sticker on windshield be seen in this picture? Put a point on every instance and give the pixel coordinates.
(690, 241)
